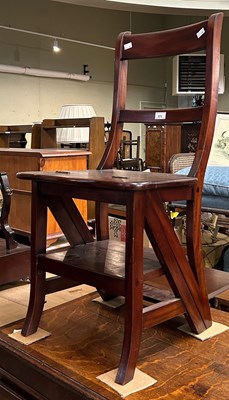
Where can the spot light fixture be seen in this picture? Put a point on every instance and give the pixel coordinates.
(56, 47)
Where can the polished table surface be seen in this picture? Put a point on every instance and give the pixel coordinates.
(86, 341)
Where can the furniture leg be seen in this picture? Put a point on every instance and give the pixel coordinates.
(177, 269)
(101, 213)
(36, 304)
(38, 244)
(102, 233)
(134, 290)
(194, 247)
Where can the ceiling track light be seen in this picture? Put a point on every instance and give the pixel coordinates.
(62, 38)
(56, 47)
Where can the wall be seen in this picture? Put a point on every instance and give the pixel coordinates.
(26, 99)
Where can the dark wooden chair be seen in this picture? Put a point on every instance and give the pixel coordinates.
(14, 256)
(129, 155)
(127, 269)
(6, 193)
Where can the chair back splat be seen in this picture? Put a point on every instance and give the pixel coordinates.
(176, 282)
(189, 39)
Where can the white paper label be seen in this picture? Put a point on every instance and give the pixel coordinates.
(160, 115)
(128, 45)
(200, 33)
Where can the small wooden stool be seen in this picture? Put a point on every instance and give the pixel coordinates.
(222, 301)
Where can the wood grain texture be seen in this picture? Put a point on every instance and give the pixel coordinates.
(16, 160)
(86, 341)
(161, 143)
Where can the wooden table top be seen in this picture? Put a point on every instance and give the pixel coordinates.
(52, 152)
(86, 341)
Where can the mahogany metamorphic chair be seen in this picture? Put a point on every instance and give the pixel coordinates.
(117, 268)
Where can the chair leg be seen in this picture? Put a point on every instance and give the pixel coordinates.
(134, 291)
(105, 295)
(131, 343)
(194, 245)
(102, 233)
(36, 304)
(38, 245)
(178, 270)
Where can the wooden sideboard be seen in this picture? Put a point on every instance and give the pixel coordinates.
(44, 137)
(15, 160)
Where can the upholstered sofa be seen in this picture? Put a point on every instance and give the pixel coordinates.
(215, 195)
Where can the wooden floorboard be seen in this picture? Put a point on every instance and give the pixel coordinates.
(86, 341)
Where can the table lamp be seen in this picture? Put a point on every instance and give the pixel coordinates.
(75, 135)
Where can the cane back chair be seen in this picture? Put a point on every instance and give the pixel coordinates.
(117, 268)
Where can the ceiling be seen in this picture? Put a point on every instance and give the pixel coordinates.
(186, 7)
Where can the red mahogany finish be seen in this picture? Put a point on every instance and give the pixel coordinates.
(121, 269)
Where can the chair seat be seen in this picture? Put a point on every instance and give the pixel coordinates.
(131, 164)
(114, 179)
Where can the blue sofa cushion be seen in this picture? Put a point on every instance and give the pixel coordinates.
(215, 192)
(216, 180)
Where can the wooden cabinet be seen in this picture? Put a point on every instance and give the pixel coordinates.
(14, 135)
(44, 136)
(162, 141)
(189, 137)
(16, 160)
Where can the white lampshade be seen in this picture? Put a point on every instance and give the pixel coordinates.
(75, 135)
